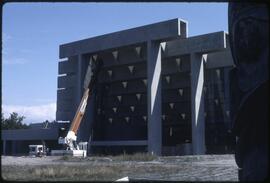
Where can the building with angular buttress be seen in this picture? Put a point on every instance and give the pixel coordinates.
(158, 91)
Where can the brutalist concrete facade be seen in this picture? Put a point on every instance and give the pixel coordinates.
(159, 90)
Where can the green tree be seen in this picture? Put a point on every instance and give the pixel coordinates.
(14, 121)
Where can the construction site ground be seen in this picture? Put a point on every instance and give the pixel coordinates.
(111, 168)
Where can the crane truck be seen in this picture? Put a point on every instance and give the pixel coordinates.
(70, 140)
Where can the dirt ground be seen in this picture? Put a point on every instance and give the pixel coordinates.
(174, 168)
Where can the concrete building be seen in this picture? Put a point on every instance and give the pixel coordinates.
(159, 90)
(15, 142)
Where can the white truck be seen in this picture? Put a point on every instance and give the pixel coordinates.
(37, 150)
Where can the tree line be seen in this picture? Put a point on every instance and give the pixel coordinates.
(15, 121)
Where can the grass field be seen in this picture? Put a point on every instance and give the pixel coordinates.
(111, 168)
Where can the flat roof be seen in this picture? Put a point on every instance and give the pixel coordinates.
(30, 134)
(161, 31)
(50, 133)
(206, 43)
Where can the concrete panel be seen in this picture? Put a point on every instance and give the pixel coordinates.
(182, 107)
(124, 111)
(65, 105)
(127, 100)
(161, 31)
(179, 80)
(174, 96)
(130, 55)
(30, 134)
(118, 73)
(65, 94)
(154, 50)
(198, 44)
(66, 67)
(66, 81)
(4, 147)
(64, 115)
(126, 55)
(220, 59)
(122, 130)
(85, 131)
(133, 86)
(134, 124)
(197, 103)
(170, 66)
(119, 143)
(78, 79)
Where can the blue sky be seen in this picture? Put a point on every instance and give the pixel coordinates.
(32, 33)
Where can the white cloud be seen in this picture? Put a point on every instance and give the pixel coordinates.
(6, 37)
(33, 114)
(14, 61)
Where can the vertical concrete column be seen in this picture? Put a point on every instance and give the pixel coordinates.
(197, 103)
(79, 91)
(79, 88)
(79, 81)
(227, 93)
(154, 97)
(13, 142)
(85, 130)
(4, 147)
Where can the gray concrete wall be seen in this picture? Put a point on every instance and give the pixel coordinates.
(160, 31)
(197, 103)
(154, 97)
(166, 72)
(30, 134)
(67, 92)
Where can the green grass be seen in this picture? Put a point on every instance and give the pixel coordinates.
(135, 157)
(121, 157)
(97, 168)
(61, 172)
(100, 169)
(65, 157)
(81, 172)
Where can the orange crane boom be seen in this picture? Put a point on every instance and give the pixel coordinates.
(89, 81)
(80, 112)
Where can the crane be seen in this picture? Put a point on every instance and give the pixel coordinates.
(90, 79)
